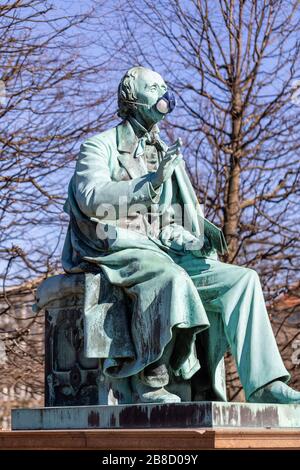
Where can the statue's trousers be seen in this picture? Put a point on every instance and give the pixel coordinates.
(190, 294)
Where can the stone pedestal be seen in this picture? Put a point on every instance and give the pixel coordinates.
(73, 377)
(185, 415)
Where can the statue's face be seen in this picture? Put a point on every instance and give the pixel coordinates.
(149, 87)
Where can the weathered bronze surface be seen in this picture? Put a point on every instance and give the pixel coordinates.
(171, 415)
(147, 311)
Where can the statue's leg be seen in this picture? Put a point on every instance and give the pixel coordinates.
(149, 385)
(157, 374)
(209, 383)
(164, 300)
(235, 293)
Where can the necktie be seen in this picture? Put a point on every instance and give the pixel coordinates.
(140, 147)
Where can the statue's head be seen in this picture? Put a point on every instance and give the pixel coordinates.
(144, 95)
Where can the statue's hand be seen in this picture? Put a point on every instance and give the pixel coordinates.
(166, 167)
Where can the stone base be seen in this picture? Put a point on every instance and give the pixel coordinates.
(186, 415)
(152, 439)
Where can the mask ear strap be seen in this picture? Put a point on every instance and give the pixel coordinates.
(136, 102)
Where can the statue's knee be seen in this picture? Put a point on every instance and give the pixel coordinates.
(150, 262)
(175, 273)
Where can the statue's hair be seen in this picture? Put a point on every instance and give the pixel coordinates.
(126, 92)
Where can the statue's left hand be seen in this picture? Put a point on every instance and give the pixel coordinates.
(170, 160)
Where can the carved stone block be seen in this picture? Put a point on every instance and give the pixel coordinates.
(72, 378)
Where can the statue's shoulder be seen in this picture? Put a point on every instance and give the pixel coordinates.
(107, 138)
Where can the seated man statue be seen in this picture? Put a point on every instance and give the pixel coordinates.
(185, 304)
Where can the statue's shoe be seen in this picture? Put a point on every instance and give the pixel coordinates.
(276, 392)
(146, 394)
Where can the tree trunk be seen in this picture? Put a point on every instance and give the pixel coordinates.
(232, 209)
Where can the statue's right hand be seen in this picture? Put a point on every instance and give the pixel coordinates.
(166, 167)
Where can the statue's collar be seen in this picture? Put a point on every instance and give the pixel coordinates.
(130, 132)
(139, 130)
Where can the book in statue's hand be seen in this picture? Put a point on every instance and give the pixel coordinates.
(215, 236)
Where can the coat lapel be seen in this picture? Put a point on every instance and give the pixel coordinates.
(135, 167)
(127, 142)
